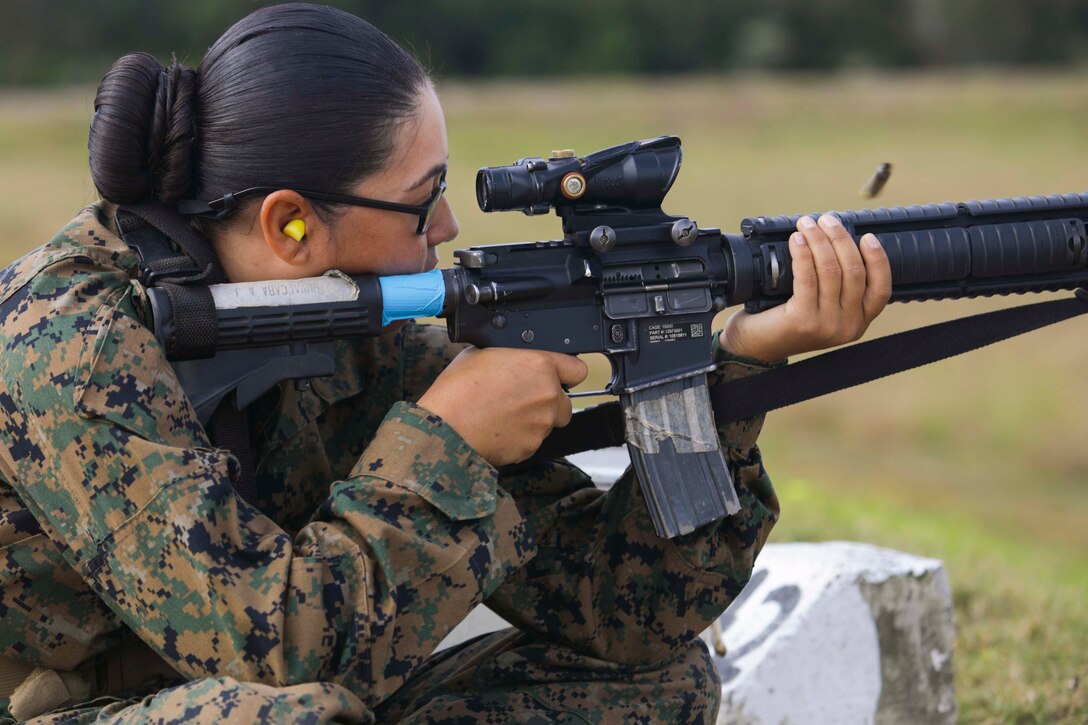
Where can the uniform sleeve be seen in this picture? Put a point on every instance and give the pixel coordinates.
(106, 451)
(427, 351)
(605, 583)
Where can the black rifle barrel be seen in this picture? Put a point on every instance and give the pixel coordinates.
(938, 251)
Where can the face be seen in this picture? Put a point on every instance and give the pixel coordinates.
(363, 240)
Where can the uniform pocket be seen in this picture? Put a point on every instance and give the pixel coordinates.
(126, 379)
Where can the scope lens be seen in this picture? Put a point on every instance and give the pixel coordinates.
(503, 188)
(483, 190)
(494, 188)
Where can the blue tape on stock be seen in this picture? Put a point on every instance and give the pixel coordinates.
(407, 296)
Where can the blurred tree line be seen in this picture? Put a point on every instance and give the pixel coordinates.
(65, 41)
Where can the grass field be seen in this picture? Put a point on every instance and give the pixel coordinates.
(980, 461)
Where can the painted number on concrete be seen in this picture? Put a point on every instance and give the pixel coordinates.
(785, 598)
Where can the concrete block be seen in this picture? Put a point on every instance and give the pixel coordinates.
(839, 632)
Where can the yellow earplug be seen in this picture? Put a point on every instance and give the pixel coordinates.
(296, 229)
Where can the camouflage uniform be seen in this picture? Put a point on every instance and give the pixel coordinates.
(377, 529)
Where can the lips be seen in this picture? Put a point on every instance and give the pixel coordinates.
(431, 262)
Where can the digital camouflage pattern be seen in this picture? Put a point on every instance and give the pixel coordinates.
(376, 531)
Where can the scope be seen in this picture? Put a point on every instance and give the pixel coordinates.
(634, 175)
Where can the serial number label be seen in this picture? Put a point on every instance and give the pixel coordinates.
(671, 331)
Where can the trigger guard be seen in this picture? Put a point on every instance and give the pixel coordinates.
(615, 383)
(613, 387)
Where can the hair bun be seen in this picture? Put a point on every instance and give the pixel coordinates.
(143, 132)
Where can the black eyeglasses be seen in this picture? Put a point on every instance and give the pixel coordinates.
(224, 205)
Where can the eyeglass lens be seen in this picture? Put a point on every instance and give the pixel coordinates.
(425, 219)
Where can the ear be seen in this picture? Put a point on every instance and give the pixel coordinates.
(279, 208)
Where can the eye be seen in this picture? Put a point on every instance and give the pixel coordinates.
(430, 193)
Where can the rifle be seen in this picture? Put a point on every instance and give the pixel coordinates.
(626, 280)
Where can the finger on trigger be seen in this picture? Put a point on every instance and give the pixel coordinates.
(569, 369)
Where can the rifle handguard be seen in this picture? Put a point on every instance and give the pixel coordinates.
(948, 250)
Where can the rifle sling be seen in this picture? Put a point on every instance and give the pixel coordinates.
(176, 251)
(602, 426)
(177, 259)
(229, 428)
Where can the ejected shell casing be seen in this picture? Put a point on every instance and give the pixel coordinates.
(880, 177)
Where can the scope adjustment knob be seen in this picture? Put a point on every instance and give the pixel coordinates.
(573, 185)
(684, 232)
(602, 239)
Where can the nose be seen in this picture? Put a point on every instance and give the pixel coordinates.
(444, 226)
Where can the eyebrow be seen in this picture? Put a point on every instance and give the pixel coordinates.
(438, 169)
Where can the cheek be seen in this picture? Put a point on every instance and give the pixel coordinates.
(402, 255)
(372, 244)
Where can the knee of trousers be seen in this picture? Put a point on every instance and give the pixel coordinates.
(694, 667)
(685, 688)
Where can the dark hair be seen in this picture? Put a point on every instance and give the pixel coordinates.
(296, 95)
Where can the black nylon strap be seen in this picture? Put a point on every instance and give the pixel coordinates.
(598, 427)
(158, 232)
(159, 257)
(229, 428)
(176, 228)
(194, 332)
(868, 361)
(173, 268)
(602, 426)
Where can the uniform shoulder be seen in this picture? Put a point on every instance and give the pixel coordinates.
(90, 237)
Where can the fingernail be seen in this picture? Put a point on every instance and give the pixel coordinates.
(806, 222)
(798, 238)
(871, 241)
(830, 221)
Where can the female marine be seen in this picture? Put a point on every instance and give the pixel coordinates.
(136, 581)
